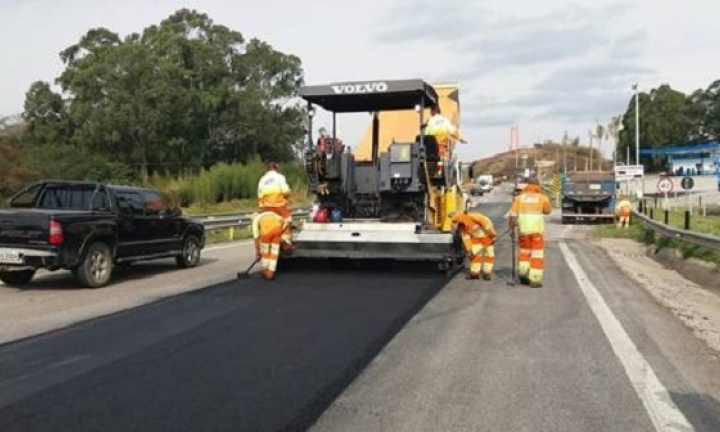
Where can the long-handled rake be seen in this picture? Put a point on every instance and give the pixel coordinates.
(245, 274)
(512, 249)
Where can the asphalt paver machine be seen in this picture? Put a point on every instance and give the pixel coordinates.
(394, 206)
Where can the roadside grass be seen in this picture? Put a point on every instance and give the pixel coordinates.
(220, 236)
(648, 237)
(299, 200)
(708, 224)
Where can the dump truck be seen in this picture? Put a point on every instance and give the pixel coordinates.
(388, 202)
(588, 196)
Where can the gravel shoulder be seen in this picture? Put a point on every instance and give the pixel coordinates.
(697, 307)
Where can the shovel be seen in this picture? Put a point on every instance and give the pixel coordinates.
(245, 274)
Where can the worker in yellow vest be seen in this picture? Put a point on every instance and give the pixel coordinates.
(527, 215)
(274, 195)
(478, 235)
(445, 134)
(623, 211)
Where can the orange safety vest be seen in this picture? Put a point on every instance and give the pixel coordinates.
(268, 227)
(624, 208)
(475, 228)
(530, 208)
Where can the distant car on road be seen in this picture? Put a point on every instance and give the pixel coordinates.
(89, 228)
(483, 185)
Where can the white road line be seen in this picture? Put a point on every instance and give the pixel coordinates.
(229, 245)
(664, 414)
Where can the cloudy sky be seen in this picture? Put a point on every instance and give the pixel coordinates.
(545, 65)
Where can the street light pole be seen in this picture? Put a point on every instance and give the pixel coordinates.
(637, 125)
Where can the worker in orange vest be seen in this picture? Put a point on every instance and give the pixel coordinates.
(527, 216)
(623, 211)
(478, 235)
(274, 194)
(269, 234)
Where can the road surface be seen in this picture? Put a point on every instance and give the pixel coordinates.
(395, 351)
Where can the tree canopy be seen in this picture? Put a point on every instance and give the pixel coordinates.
(186, 92)
(670, 118)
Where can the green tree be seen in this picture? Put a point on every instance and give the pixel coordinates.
(706, 106)
(667, 118)
(14, 174)
(184, 92)
(45, 115)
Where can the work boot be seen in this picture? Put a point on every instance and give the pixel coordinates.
(524, 280)
(486, 276)
(536, 284)
(472, 276)
(268, 275)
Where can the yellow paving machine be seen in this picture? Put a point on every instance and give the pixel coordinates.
(392, 203)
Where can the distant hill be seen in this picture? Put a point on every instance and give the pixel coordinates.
(546, 158)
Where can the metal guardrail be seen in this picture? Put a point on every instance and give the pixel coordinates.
(237, 220)
(698, 239)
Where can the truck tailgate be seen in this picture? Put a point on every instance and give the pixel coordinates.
(23, 227)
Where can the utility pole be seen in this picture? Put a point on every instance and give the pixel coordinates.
(637, 125)
(557, 159)
(565, 144)
(590, 135)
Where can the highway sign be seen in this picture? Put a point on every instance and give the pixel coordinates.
(665, 185)
(687, 183)
(629, 172)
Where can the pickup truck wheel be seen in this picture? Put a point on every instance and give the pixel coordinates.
(190, 253)
(17, 278)
(96, 268)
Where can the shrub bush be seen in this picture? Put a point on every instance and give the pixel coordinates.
(223, 182)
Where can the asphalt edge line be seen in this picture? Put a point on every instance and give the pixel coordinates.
(663, 412)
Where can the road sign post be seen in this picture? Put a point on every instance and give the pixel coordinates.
(665, 186)
(629, 173)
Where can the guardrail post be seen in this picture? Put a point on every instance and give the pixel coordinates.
(687, 220)
(667, 216)
(641, 207)
(652, 214)
(231, 233)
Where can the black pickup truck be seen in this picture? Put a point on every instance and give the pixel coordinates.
(89, 228)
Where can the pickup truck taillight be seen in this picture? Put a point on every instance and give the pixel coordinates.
(56, 233)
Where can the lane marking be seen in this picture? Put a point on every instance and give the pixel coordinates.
(663, 412)
(229, 245)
